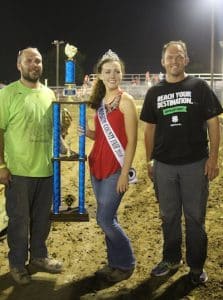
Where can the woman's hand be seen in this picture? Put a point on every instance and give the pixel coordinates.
(87, 132)
(80, 130)
(123, 183)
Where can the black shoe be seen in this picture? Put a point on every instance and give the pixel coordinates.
(47, 264)
(104, 271)
(119, 275)
(164, 267)
(21, 276)
(198, 278)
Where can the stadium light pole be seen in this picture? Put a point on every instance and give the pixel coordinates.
(221, 45)
(212, 42)
(57, 44)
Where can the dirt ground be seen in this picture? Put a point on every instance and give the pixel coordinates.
(80, 245)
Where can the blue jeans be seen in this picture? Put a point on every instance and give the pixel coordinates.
(183, 188)
(119, 251)
(28, 203)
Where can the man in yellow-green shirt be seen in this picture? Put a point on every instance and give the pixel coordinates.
(25, 166)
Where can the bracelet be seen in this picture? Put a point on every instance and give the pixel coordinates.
(2, 166)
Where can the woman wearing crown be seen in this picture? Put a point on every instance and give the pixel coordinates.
(115, 138)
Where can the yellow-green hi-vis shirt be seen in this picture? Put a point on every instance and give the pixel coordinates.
(26, 118)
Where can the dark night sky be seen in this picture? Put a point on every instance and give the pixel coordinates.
(136, 30)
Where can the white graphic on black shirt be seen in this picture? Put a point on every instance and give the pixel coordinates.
(174, 99)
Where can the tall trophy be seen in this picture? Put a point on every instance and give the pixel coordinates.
(70, 90)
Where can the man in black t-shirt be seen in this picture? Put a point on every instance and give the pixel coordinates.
(181, 112)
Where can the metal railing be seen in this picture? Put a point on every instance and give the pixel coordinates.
(144, 77)
(138, 84)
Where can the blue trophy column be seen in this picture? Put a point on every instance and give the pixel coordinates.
(82, 121)
(69, 72)
(56, 162)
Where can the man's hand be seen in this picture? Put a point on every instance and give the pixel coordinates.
(5, 176)
(150, 170)
(211, 169)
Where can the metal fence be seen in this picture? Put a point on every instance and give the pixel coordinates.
(144, 77)
(138, 84)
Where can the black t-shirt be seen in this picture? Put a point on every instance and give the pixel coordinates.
(180, 111)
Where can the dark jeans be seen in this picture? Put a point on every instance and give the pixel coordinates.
(183, 188)
(119, 250)
(28, 203)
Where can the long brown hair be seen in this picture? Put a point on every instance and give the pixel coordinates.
(98, 89)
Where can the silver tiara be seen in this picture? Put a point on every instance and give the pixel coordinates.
(110, 55)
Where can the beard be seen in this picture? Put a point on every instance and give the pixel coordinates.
(33, 76)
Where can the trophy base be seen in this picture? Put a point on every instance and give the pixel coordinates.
(70, 215)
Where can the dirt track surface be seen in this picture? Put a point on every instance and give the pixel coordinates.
(81, 248)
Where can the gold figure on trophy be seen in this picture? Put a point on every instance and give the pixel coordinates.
(69, 200)
(70, 90)
(70, 51)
